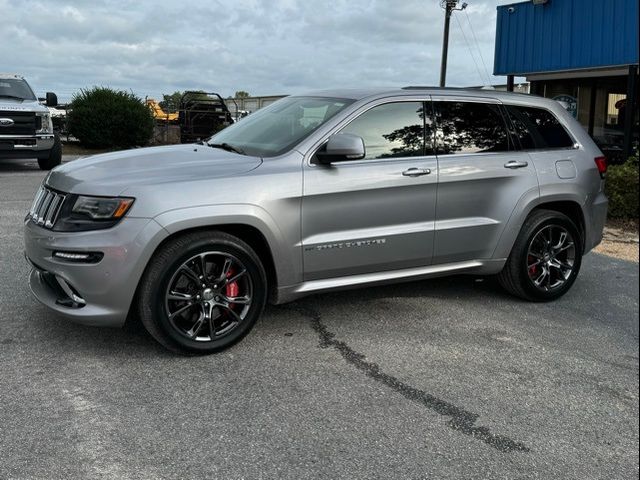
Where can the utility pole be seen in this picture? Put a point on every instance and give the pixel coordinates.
(449, 6)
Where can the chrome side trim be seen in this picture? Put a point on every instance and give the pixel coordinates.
(380, 277)
(290, 293)
(465, 222)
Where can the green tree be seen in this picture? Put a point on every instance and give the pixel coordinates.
(621, 186)
(171, 102)
(104, 118)
(241, 94)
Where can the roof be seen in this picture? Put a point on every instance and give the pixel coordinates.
(359, 94)
(372, 94)
(565, 35)
(351, 93)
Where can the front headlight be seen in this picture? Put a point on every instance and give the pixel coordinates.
(46, 124)
(81, 213)
(100, 208)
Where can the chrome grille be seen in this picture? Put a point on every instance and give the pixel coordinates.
(24, 123)
(46, 206)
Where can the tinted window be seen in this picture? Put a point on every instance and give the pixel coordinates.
(538, 128)
(392, 130)
(467, 127)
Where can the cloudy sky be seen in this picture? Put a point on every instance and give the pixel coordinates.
(264, 47)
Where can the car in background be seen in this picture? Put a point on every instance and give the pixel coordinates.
(26, 127)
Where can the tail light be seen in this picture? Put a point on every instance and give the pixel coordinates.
(601, 163)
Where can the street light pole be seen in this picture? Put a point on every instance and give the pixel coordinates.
(449, 7)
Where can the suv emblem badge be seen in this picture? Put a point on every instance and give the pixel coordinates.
(6, 122)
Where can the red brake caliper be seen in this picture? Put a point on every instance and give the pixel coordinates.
(232, 289)
(533, 268)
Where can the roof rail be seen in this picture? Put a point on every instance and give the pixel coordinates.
(431, 87)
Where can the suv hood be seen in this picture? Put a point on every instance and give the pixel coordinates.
(112, 173)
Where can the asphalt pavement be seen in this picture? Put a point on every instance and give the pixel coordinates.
(448, 378)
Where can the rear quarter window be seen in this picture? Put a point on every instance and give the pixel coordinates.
(537, 128)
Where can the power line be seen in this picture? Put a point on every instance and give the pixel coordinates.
(471, 53)
(484, 65)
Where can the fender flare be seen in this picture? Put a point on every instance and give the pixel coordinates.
(287, 264)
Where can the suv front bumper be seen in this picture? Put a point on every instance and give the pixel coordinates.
(91, 293)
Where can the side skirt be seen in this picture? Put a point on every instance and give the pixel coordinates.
(475, 267)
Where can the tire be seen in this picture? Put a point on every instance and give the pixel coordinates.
(173, 307)
(537, 268)
(55, 156)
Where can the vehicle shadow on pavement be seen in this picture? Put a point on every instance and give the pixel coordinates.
(133, 339)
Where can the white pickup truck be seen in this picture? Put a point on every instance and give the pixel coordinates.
(26, 130)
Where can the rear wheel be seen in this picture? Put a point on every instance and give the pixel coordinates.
(202, 292)
(545, 259)
(54, 158)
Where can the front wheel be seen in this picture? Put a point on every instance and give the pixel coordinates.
(545, 259)
(54, 157)
(202, 292)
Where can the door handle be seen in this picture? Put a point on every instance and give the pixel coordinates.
(416, 172)
(515, 164)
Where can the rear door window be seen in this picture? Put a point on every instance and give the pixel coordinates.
(469, 127)
(537, 128)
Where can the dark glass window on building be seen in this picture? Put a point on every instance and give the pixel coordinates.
(468, 127)
(537, 128)
(393, 130)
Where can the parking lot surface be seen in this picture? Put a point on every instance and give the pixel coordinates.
(448, 378)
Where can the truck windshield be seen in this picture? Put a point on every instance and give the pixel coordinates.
(275, 129)
(15, 88)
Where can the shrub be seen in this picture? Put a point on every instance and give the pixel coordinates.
(105, 118)
(621, 187)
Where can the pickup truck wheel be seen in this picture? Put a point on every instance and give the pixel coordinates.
(55, 156)
(202, 292)
(545, 259)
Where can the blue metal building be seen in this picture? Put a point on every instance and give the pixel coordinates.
(582, 52)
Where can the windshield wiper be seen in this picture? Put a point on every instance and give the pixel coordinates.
(228, 147)
(12, 96)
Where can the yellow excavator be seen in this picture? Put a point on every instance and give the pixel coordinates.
(160, 114)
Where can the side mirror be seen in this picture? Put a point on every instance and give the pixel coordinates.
(341, 147)
(52, 100)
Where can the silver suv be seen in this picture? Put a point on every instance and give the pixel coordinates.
(317, 192)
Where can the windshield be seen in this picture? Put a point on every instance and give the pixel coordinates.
(15, 88)
(277, 128)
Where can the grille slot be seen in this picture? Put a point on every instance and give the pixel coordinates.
(46, 207)
(24, 123)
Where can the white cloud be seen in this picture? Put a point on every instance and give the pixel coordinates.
(264, 47)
